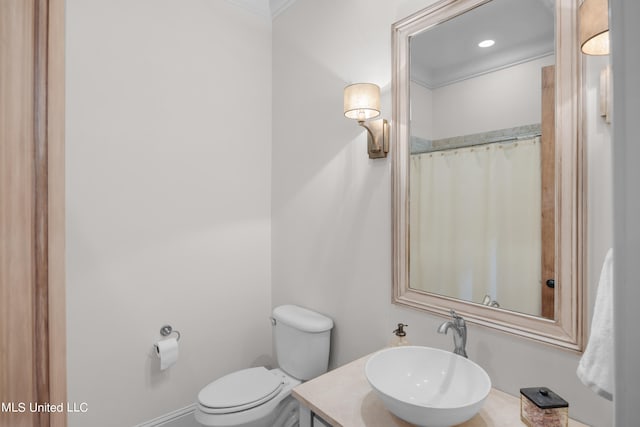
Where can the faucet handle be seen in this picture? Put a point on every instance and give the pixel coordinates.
(458, 320)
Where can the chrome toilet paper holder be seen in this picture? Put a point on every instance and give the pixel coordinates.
(167, 349)
(167, 330)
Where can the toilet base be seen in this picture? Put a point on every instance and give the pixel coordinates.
(286, 414)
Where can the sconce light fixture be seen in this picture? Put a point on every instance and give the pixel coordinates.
(361, 103)
(594, 27)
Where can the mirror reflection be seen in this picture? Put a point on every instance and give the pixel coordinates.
(481, 167)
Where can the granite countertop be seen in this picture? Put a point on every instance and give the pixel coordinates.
(344, 398)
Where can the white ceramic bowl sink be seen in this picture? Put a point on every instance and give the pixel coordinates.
(427, 386)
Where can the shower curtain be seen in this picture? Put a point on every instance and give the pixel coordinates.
(475, 224)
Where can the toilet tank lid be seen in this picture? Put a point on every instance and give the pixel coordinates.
(302, 318)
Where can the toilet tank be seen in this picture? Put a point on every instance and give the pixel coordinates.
(302, 341)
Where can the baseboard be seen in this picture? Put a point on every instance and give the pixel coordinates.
(179, 418)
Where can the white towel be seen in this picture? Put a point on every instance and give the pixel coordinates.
(595, 369)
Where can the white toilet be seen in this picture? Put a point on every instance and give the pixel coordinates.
(257, 397)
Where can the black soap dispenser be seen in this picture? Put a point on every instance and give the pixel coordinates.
(400, 337)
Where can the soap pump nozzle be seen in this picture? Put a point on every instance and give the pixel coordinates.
(400, 335)
(400, 331)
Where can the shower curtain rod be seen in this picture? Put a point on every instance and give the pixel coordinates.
(477, 144)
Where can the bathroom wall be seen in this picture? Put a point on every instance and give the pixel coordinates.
(168, 200)
(331, 215)
(597, 136)
(421, 111)
(498, 100)
(625, 57)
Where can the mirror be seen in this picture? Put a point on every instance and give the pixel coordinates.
(488, 205)
(476, 159)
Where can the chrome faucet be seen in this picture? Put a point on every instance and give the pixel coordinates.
(459, 333)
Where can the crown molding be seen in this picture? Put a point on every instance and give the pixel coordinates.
(279, 6)
(268, 9)
(257, 7)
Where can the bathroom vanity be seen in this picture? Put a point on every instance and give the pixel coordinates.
(344, 398)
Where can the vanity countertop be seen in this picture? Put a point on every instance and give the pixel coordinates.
(344, 398)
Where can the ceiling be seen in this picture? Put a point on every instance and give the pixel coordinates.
(522, 29)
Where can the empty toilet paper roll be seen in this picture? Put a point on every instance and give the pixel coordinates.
(167, 351)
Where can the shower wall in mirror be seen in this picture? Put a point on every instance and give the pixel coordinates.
(487, 165)
(475, 169)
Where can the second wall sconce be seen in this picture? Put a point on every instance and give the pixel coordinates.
(594, 27)
(361, 103)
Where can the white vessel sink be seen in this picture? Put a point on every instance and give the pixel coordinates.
(427, 386)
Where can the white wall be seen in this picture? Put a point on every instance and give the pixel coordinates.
(500, 99)
(168, 200)
(421, 111)
(626, 157)
(597, 136)
(331, 216)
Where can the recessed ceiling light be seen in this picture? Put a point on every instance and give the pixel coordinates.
(486, 43)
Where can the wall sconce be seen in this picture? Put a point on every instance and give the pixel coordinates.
(361, 103)
(594, 27)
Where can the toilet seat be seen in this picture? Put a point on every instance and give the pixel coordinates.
(258, 413)
(231, 394)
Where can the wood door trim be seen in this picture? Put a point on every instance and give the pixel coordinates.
(41, 211)
(56, 210)
(547, 187)
(32, 283)
(48, 193)
(17, 343)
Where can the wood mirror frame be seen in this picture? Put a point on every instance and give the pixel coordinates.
(565, 330)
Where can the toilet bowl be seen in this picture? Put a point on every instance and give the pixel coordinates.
(254, 397)
(259, 397)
